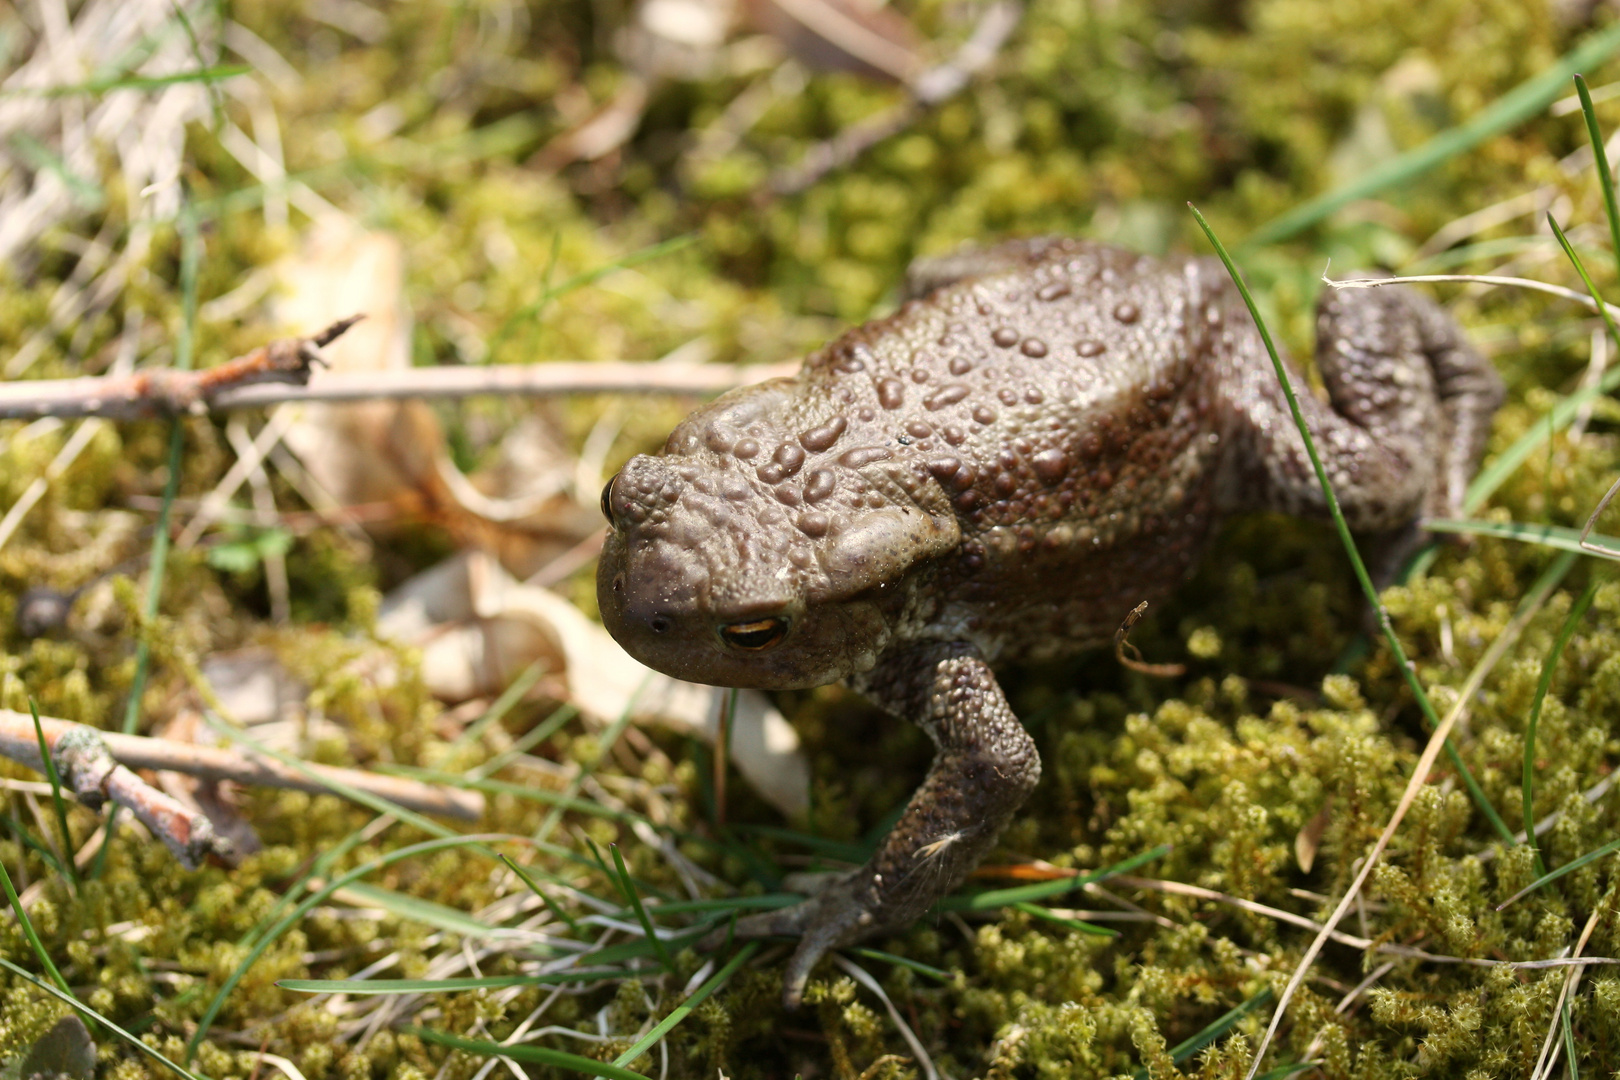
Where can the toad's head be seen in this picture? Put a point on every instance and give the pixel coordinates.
(718, 570)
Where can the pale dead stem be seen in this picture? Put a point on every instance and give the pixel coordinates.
(1549, 1048)
(153, 394)
(144, 132)
(1406, 952)
(862, 976)
(1431, 752)
(161, 392)
(93, 761)
(1591, 795)
(125, 361)
(272, 375)
(1474, 279)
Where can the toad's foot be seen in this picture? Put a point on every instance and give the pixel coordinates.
(836, 916)
(985, 766)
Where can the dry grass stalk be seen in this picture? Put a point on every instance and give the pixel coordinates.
(154, 394)
(18, 742)
(1420, 775)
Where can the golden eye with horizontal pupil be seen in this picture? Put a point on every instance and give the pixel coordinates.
(755, 636)
(607, 503)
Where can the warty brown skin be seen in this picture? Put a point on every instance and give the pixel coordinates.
(1042, 438)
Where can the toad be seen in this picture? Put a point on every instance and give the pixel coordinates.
(1043, 435)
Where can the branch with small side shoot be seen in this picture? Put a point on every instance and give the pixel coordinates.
(164, 392)
(97, 767)
(281, 372)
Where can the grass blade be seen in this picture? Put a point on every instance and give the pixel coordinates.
(1560, 416)
(545, 898)
(770, 902)
(1440, 729)
(532, 310)
(679, 1013)
(628, 887)
(1600, 157)
(427, 912)
(1337, 512)
(1517, 105)
(1548, 667)
(918, 966)
(49, 765)
(1553, 536)
(609, 738)
(1215, 1029)
(526, 742)
(33, 843)
(994, 898)
(1081, 925)
(384, 987)
(86, 193)
(286, 921)
(519, 791)
(1544, 584)
(96, 1018)
(134, 82)
(1328, 494)
(191, 251)
(31, 934)
(503, 705)
(1586, 278)
(537, 1055)
(1570, 1053)
(1574, 864)
(639, 948)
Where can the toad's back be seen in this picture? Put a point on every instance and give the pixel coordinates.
(1065, 398)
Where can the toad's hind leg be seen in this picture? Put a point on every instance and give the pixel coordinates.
(1370, 344)
(1411, 409)
(983, 769)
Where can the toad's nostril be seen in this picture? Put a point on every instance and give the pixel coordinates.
(659, 624)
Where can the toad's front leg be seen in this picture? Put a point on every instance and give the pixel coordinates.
(983, 769)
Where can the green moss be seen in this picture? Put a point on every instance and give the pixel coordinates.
(1100, 118)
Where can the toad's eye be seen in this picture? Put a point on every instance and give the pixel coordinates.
(607, 503)
(756, 636)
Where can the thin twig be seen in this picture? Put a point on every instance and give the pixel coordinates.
(161, 392)
(88, 767)
(134, 398)
(17, 742)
